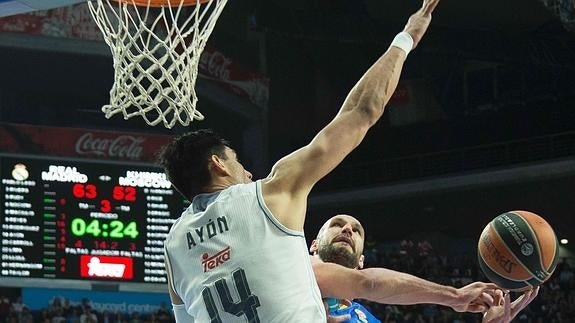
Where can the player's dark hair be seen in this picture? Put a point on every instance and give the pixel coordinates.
(185, 160)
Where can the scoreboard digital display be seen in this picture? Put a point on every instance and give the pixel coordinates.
(84, 220)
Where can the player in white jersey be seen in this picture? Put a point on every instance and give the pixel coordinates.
(238, 253)
(231, 245)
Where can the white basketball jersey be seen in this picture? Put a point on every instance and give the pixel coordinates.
(232, 261)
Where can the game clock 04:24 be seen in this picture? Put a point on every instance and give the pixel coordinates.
(114, 229)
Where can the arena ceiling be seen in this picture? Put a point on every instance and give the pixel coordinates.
(512, 15)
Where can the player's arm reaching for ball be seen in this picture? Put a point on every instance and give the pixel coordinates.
(392, 287)
(286, 189)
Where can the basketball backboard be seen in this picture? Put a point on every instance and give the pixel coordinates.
(14, 7)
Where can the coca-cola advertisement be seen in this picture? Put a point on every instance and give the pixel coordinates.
(216, 66)
(82, 143)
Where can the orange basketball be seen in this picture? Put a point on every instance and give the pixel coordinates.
(518, 250)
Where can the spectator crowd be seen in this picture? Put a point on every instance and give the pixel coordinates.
(555, 303)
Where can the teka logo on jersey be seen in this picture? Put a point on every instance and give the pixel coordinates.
(215, 260)
(121, 147)
(106, 267)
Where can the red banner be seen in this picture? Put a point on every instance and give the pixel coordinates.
(216, 66)
(74, 22)
(106, 267)
(80, 143)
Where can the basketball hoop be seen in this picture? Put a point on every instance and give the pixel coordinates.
(156, 50)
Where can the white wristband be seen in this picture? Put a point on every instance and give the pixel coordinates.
(404, 41)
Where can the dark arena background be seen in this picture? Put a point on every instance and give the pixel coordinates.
(482, 122)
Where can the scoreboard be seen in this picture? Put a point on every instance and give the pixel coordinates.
(84, 220)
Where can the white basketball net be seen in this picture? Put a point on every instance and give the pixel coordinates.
(156, 54)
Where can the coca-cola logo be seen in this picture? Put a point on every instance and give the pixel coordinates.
(120, 147)
(216, 64)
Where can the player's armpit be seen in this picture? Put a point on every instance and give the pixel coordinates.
(340, 282)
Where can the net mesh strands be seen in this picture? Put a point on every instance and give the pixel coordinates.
(564, 10)
(156, 52)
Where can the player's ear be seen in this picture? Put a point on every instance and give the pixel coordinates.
(314, 246)
(218, 165)
(360, 262)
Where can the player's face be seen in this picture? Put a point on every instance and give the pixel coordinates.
(342, 241)
(236, 169)
(346, 231)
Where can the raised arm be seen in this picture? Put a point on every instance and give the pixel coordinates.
(392, 287)
(291, 179)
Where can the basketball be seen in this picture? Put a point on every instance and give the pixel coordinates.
(518, 250)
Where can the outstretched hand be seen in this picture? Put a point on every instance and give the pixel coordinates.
(475, 297)
(503, 311)
(338, 319)
(418, 22)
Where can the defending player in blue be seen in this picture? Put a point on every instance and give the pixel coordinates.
(355, 311)
(338, 266)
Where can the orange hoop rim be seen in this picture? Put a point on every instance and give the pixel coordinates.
(163, 3)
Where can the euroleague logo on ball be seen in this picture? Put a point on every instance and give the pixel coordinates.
(527, 249)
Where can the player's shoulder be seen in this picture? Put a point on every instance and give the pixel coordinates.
(241, 188)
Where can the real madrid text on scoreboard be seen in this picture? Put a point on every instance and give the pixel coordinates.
(84, 220)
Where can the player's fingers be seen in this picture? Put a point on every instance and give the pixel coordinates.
(477, 308)
(517, 303)
(490, 286)
(498, 298)
(338, 319)
(484, 286)
(429, 6)
(507, 306)
(486, 298)
(534, 294)
(494, 293)
(525, 299)
(520, 303)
